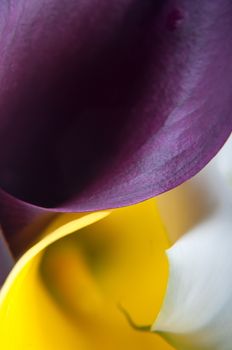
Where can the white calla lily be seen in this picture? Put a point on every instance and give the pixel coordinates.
(197, 309)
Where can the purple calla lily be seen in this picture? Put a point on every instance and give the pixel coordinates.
(107, 103)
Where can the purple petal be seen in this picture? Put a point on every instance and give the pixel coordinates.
(6, 259)
(21, 224)
(106, 103)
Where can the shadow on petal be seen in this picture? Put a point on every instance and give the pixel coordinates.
(106, 104)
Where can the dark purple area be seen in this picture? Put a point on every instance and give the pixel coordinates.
(107, 103)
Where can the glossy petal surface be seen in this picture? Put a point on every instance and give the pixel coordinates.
(197, 309)
(104, 104)
(66, 293)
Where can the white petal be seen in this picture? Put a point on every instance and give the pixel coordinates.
(224, 160)
(197, 310)
(187, 205)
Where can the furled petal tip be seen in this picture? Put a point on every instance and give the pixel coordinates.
(197, 309)
(105, 104)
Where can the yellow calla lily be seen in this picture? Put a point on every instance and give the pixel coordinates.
(69, 291)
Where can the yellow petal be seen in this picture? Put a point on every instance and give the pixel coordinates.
(67, 291)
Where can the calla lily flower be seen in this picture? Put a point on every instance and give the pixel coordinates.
(103, 105)
(105, 279)
(197, 310)
(107, 103)
(68, 291)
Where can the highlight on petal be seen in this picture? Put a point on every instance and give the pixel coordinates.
(106, 103)
(197, 309)
(67, 293)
